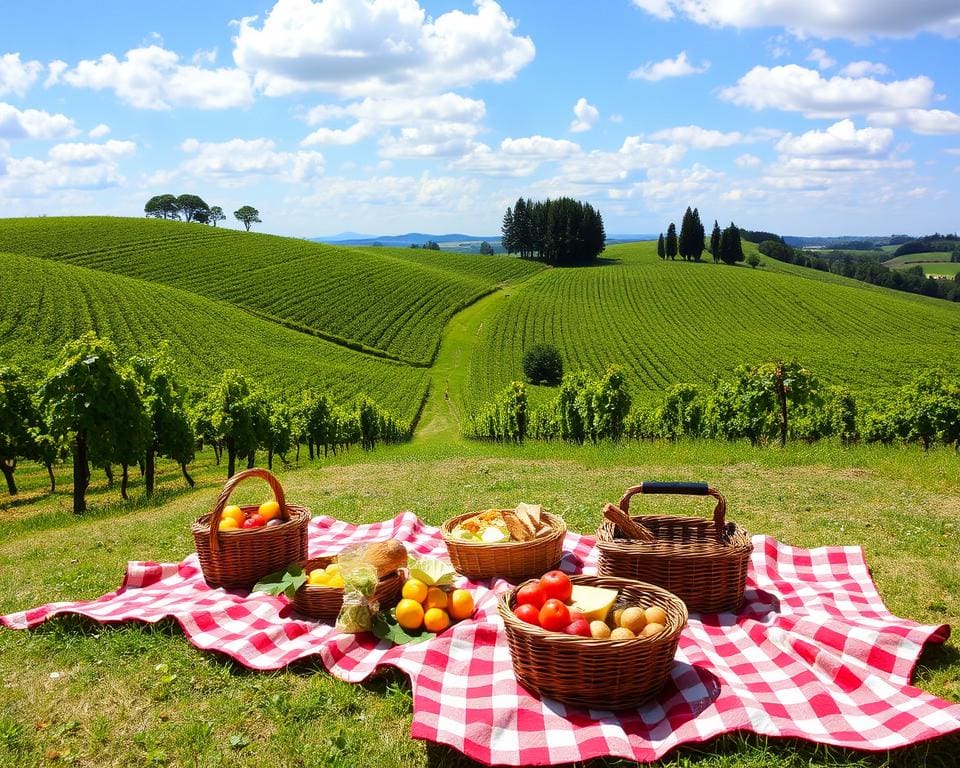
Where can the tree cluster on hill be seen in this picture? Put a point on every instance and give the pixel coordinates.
(725, 244)
(936, 243)
(103, 411)
(560, 232)
(430, 245)
(192, 208)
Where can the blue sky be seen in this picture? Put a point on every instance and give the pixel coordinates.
(389, 116)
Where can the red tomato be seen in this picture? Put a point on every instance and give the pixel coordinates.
(579, 627)
(531, 593)
(556, 584)
(254, 521)
(575, 615)
(554, 615)
(527, 613)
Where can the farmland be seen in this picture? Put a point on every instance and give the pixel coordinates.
(47, 303)
(392, 300)
(668, 322)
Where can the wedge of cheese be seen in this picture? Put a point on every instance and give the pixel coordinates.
(593, 602)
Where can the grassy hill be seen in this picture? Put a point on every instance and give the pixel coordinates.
(47, 303)
(668, 322)
(394, 300)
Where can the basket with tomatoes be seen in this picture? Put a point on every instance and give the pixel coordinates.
(592, 641)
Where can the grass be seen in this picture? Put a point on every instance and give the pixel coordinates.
(909, 259)
(141, 695)
(942, 268)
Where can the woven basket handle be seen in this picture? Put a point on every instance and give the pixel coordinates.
(627, 525)
(687, 489)
(229, 487)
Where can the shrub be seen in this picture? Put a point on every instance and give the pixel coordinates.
(542, 364)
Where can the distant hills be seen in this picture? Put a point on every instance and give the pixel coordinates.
(453, 241)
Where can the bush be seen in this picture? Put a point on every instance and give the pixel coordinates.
(542, 365)
(753, 260)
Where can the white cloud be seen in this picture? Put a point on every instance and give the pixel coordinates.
(153, 78)
(447, 107)
(822, 59)
(930, 122)
(17, 77)
(615, 168)
(615, 118)
(99, 131)
(680, 184)
(343, 137)
(516, 157)
(658, 70)
(378, 47)
(841, 138)
(240, 162)
(79, 153)
(847, 164)
(863, 68)
(953, 151)
(918, 192)
(852, 19)
(748, 161)
(796, 89)
(429, 140)
(704, 138)
(54, 70)
(33, 124)
(586, 116)
(72, 166)
(540, 146)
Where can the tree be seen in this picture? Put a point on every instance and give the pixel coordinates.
(431, 245)
(542, 364)
(731, 249)
(486, 249)
(715, 242)
(162, 207)
(216, 214)
(247, 215)
(753, 260)
(18, 420)
(686, 242)
(697, 243)
(85, 399)
(661, 249)
(193, 208)
(231, 407)
(508, 232)
(671, 241)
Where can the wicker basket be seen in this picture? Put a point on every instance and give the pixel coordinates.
(508, 559)
(324, 603)
(239, 559)
(597, 674)
(703, 562)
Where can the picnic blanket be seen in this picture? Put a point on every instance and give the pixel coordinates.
(813, 654)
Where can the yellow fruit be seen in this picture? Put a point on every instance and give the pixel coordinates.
(318, 578)
(461, 605)
(436, 598)
(652, 629)
(436, 620)
(593, 602)
(335, 580)
(415, 589)
(332, 569)
(599, 630)
(409, 614)
(234, 513)
(616, 616)
(656, 615)
(269, 509)
(634, 619)
(622, 633)
(227, 524)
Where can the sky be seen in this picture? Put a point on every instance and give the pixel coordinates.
(801, 117)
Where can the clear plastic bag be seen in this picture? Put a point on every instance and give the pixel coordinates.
(359, 584)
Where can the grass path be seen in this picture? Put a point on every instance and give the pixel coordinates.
(444, 410)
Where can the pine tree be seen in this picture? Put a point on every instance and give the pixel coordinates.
(672, 241)
(731, 249)
(508, 232)
(697, 240)
(661, 250)
(687, 234)
(715, 242)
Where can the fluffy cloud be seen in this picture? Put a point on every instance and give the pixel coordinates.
(429, 140)
(153, 78)
(864, 68)
(822, 59)
(586, 116)
(796, 89)
(378, 47)
(33, 124)
(616, 168)
(79, 153)
(99, 131)
(72, 166)
(658, 70)
(240, 162)
(516, 157)
(704, 138)
(748, 161)
(17, 76)
(841, 138)
(852, 19)
(930, 122)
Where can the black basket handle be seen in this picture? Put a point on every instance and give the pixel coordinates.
(687, 489)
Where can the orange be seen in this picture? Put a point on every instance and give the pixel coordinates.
(656, 615)
(415, 590)
(409, 614)
(461, 605)
(269, 509)
(436, 598)
(234, 513)
(436, 620)
(227, 524)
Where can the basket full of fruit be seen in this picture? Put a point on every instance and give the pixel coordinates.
(237, 545)
(597, 642)
(703, 561)
(508, 543)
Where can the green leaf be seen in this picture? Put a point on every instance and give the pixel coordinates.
(433, 572)
(285, 582)
(385, 627)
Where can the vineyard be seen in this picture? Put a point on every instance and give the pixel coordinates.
(47, 304)
(668, 322)
(391, 300)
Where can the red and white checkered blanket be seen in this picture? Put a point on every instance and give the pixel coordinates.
(813, 654)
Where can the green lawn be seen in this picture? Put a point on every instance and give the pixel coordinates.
(910, 259)
(942, 268)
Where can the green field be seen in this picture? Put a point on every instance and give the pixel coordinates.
(391, 299)
(909, 259)
(47, 303)
(672, 321)
(942, 268)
